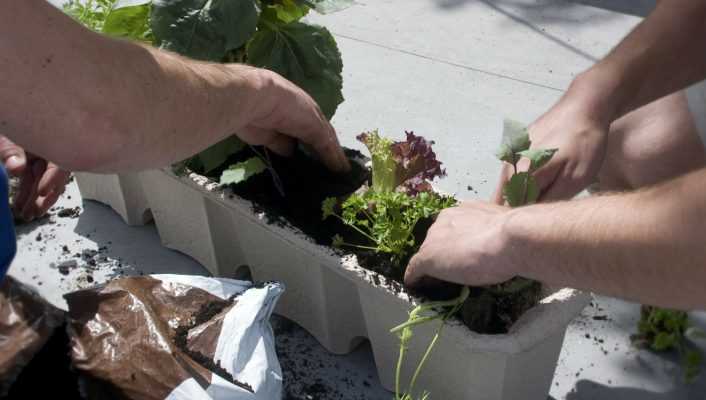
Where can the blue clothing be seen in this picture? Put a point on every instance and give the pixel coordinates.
(8, 243)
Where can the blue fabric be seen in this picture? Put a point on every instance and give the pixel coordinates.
(8, 243)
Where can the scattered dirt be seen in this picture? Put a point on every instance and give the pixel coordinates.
(69, 212)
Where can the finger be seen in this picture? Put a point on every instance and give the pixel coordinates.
(329, 150)
(12, 156)
(53, 179)
(548, 173)
(414, 273)
(505, 174)
(36, 170)
(44, 203)
(560, 189)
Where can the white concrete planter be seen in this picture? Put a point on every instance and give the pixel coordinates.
(342, 304)
(122, 192)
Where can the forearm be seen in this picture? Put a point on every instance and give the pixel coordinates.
(663, 54)
(637, 246)
(112, 105)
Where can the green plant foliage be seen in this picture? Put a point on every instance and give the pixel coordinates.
(90, 13)
(130, 19)
(241, 171)
(664, 330)
(387, 219)
(305, 54)
(522, 188)
(203, 29)
(423, 314)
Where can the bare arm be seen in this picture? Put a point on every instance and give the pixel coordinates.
(88, 102)
(646, 246)
(663, 54)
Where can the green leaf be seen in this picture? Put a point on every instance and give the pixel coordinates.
(522, 189)
(305, 54)
(538, 157)
(90, 13)
(241, 171)
(664, 341)
(328, 207)
(214, 156)
(204, 29)
(288, 10)
(515, 135)
(130, 19)
(692, 365)
(331, 6)
(337, 241)
(506, 154)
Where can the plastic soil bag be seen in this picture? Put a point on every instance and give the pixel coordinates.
(27, 321)
(175, 337)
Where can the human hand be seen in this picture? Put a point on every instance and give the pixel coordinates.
(41, 182)
(287, 115)
(467, 245)
(580, 137)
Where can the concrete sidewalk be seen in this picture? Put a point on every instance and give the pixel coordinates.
(449, 70)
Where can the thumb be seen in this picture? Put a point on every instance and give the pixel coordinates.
(12, 156)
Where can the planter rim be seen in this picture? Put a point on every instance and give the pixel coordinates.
(550, 316)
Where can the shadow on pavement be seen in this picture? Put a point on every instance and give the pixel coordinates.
(590, 390)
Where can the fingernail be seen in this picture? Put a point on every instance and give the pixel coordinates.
(13, 162)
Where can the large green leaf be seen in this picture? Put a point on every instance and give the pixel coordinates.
(204, 29)
(331, 6)
(241, 171)
(130, 19)
(305, 54)
(520, 190)
(538, 157)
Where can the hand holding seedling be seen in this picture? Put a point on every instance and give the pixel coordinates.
(581, 138)
(41, 182)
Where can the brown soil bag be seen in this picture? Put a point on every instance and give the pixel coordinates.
(27, 321)
(175, 337)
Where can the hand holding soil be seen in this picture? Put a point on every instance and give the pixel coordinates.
(287, 115)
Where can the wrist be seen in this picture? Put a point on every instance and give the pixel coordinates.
(522, 236)
(597, 93)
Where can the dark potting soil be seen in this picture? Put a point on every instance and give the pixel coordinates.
(306, 183)
(49, 372)
(205, 314)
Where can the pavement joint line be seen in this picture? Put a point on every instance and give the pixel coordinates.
(451, 63)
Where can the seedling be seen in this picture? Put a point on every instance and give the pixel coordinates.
(664, 330)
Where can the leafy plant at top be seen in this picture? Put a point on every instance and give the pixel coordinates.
(203, 29)
(305, 54)
(399, 198)
(522, 188)
(663, 330)
(263, 33)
